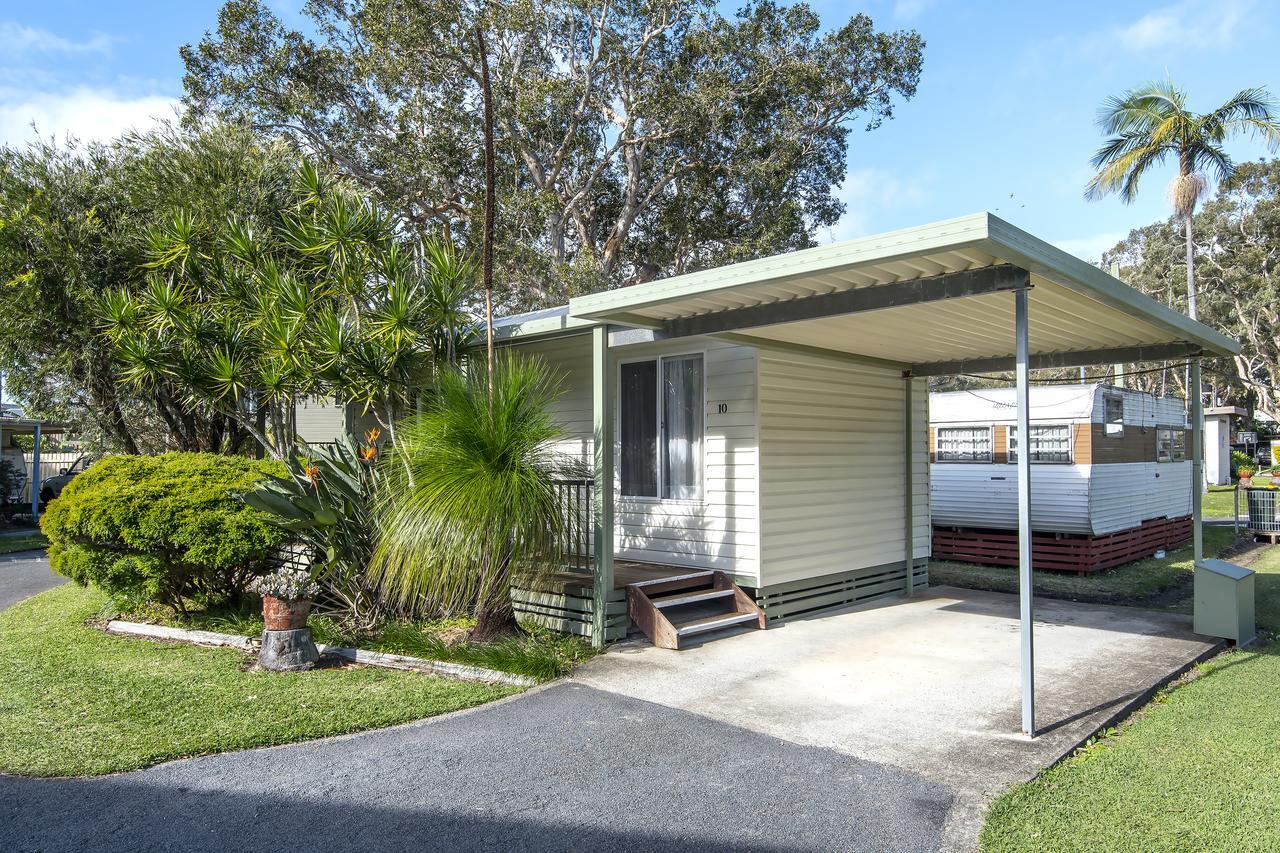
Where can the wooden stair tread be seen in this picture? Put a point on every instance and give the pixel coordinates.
(691, 576)
(711, 623)
(692, 597)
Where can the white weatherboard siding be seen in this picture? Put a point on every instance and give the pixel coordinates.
(720, 531)
(1124, 496)
(975, 494)
(831, 448)
(319, 420)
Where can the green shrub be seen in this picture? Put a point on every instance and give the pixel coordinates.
(1240, 459)
(162, 528)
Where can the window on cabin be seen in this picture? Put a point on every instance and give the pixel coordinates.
(963, 444)
(1113, 415)
(660, 427)
(1171, 444)
(1049, 443)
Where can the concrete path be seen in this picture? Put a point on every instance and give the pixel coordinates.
(565, 767)
(930, 685)
(24, 574)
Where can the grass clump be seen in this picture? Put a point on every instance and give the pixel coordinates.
(77, 701)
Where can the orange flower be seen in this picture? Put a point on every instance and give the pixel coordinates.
(372, 435)
(368, 454)
(313, 473)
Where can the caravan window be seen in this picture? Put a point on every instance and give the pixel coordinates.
(660, 426)
(1049, 443)
(964, 444)
(1171, 444)
(1113, 415)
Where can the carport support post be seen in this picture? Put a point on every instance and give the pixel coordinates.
(35, 475)
(602, 510)
(1197, 457)
(908, 477)
(1025, 588)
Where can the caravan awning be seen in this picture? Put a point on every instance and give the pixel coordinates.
(934, 299)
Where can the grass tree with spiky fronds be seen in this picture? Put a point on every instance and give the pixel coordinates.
(1148, 124)
(472, 498)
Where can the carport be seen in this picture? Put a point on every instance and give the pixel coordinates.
(968, 295)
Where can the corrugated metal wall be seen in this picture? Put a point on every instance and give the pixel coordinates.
(832, 485)
(1124, 496)
(319, 420)
(721, 531)
(974, 494)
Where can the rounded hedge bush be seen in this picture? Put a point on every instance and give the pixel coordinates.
(165, 528)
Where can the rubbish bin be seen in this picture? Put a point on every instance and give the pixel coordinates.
(1224, 601)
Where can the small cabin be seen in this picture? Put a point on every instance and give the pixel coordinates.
(1110, 481)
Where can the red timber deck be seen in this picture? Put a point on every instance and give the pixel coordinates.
(1064, 552)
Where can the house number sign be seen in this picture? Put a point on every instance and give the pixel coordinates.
(717, 408)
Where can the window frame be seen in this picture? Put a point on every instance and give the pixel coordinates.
(1177, 437)
(991, 444)
(1071, 444)
(1107, 425)
(660, 413)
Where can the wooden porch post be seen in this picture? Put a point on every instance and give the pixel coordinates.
(602, 511)
(1025, 582)
(1197, 457)
(908, 445)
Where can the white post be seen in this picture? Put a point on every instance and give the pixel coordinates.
(35, 476)
(1197, 456)
(908, 509)
(1025, 587)
(602, 407)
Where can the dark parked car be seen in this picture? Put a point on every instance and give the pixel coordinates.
(53, 486)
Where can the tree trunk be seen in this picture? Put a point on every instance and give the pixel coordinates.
(490, 202)
(493, 621)
(1191, 271)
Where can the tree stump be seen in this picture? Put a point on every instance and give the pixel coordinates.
(288, 651)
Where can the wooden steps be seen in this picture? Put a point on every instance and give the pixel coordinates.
(670, 610)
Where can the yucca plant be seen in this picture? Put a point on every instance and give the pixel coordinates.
(471, 497)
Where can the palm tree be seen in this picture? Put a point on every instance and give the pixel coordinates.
(1147, 124)
(472, 497)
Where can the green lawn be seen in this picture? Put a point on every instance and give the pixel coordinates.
(1129, 584)
(1220, 502)
(77, 701)
(23, 542)
(1196, 770)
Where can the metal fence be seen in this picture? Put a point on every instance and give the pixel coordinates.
(574, 499)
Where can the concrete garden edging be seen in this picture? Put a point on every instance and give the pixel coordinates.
(464, 672)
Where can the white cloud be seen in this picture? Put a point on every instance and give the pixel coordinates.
(1091, 248)
(19, 39)
(868, 193)
(84, 113)
(1187, 24)
(909, 10)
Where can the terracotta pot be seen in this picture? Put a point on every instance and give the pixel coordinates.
(282, 615)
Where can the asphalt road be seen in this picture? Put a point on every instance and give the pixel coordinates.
(24, 574)
(566, 767)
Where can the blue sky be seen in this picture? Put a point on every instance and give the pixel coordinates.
(1002, 120)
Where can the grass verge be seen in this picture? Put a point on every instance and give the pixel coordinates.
(22, 542)
(1195, 771)
(537, 652)
(77, 701)
(1135, 583)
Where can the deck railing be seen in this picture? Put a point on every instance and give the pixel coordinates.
(574, 499)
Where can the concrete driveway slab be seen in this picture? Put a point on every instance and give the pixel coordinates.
(930, 685)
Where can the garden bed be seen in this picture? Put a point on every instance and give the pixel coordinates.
(78, 701)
